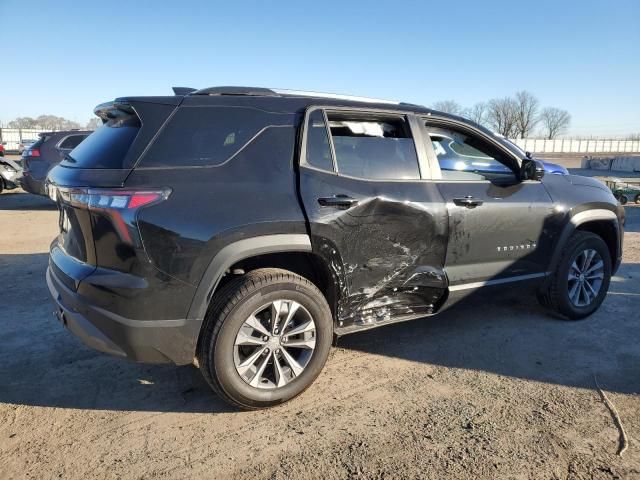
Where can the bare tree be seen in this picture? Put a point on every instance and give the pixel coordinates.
(448, 106)
(477, 113)
(22, 122)
(502, 116)
(94, 124)
(555, 121)
(52, 122)
(527, 113)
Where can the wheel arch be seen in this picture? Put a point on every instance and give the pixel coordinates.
(291, 252)
(601, 222)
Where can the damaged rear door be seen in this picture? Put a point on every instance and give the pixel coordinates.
(379, 225)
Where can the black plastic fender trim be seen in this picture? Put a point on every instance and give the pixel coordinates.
(574, 222)
(233, 253)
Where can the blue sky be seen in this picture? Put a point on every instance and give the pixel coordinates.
(65, 57)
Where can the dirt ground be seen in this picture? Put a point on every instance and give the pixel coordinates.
(494, 388)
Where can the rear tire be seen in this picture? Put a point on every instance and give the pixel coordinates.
(637, 199)
(239, 326)
(575, 292)
(1, 185)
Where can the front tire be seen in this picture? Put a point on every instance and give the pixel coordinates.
(265, 339)
(581, 279)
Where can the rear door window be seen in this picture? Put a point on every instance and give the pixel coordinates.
(209, 136)
(373, 146)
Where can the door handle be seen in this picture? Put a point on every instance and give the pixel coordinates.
(339, 201)
(467, 201)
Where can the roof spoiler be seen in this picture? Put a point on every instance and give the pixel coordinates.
(109, 110)
(183, 90)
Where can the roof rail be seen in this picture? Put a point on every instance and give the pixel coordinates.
(336, 96)
(276, 92)
(183, 90)
(249, 91)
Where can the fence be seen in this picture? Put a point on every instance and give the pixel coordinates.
(568, 145)
(11, 138)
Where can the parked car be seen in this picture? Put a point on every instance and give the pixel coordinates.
(2, 149)
(48, 151)
(241, 229)
(24, 144)
(10, 172)
(624, 191)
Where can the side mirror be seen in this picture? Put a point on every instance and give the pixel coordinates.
(531, 169)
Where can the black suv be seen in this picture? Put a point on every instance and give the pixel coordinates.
(241, 229)
(41, 156)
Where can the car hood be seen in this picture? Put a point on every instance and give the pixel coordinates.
(587, 182)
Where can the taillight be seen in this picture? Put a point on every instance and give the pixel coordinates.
(99, 199)
(120, 206)
(32, 152)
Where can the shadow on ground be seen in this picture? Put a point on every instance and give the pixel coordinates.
(20, 200)
(510, 335)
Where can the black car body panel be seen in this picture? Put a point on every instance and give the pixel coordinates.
(208, 185)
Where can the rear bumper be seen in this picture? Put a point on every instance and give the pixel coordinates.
(146, 341)
(31, 185)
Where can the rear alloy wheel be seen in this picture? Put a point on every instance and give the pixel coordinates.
(275, 344)
(265, 339)
(581, 279)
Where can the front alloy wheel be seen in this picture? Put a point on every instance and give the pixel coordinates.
(585, 278)
(579, 283)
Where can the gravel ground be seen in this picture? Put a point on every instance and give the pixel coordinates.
(494, 388)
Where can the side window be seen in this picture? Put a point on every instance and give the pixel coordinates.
(72, 141)
(208, 136)
(372, 146)
(318, 149)
(463, 156)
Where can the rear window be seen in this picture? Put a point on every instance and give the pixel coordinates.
(208, 136)
(40, 141)
(107, 146)
(72, 141)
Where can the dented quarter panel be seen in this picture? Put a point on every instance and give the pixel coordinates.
(387, 252)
